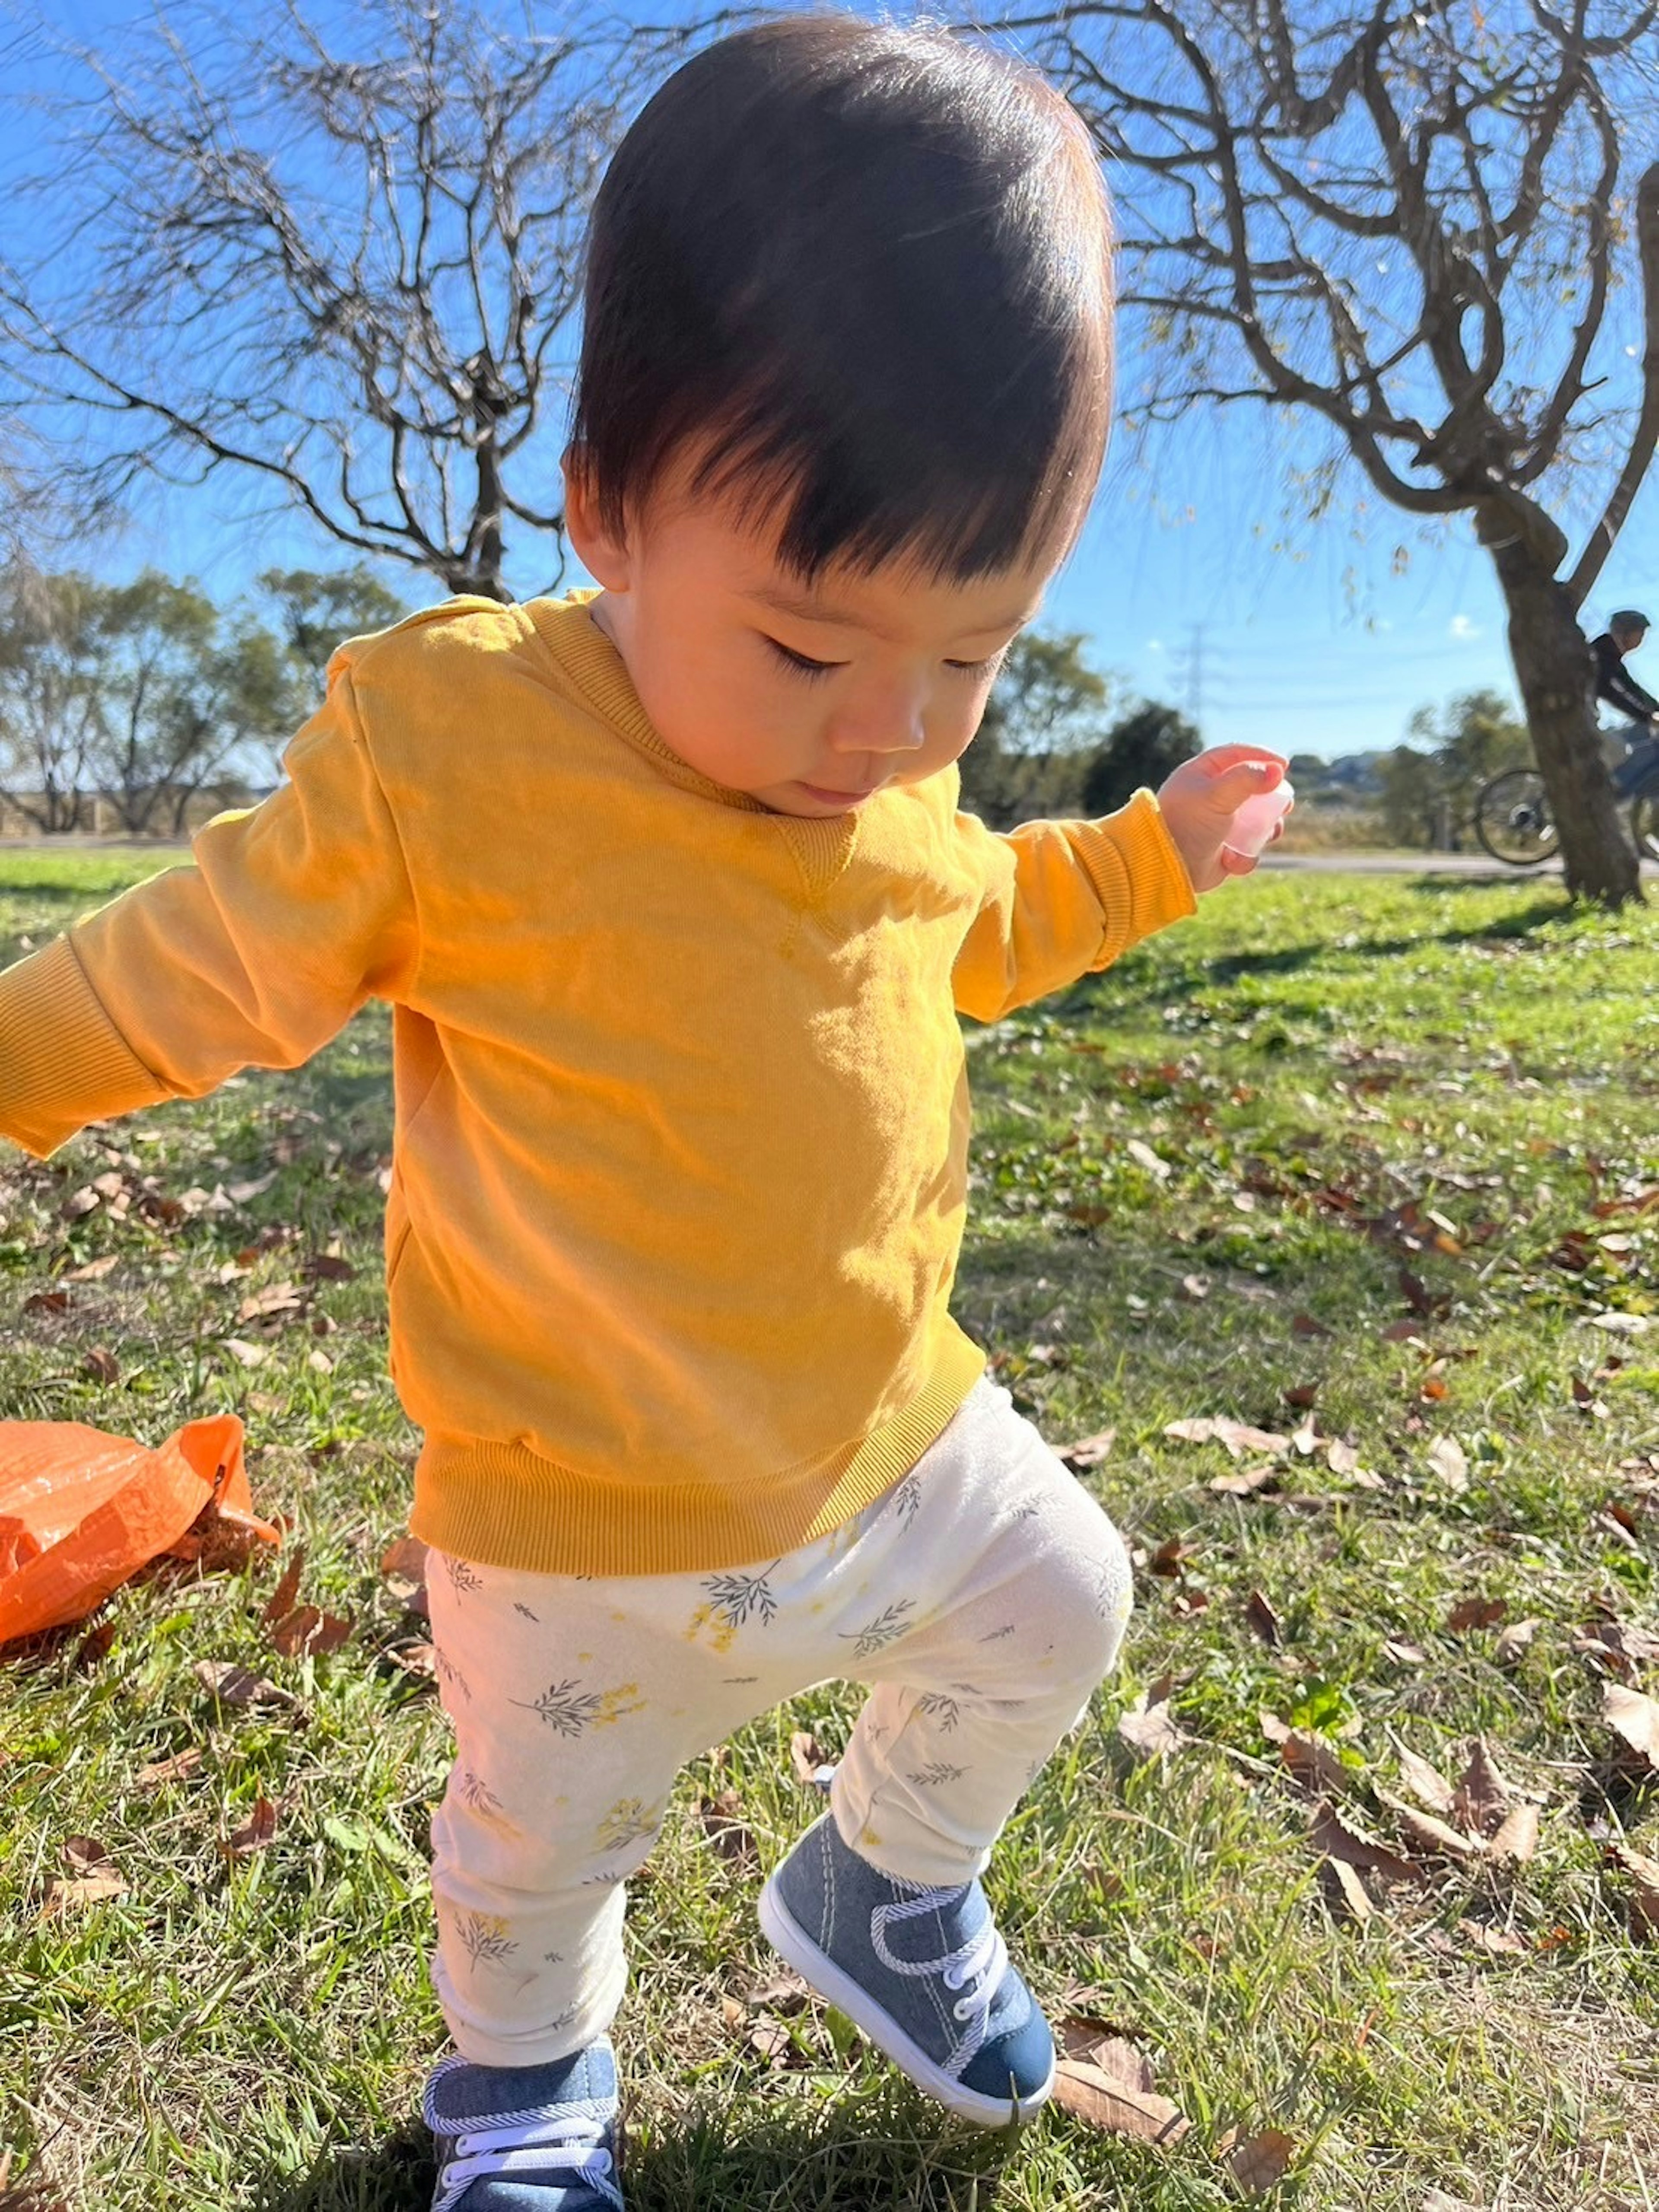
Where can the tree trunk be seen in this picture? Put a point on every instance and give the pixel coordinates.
(1554, 668)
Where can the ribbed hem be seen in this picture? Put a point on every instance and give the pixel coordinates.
(1134, 866)
(499, 1505)
(63, 1062)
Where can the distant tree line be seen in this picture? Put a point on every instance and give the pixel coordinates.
(147, 694)
(1054, 741)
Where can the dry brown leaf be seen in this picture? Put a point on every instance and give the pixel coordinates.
(1644, 1896)
(182, 1764)
(726, 1829)
(1437, 2201)
(1091, 2094)
(1261, 1617)
(1344, 1891)
(93, 1878)
(329, 1268)
(1088, 1451)
(420, 1659)
(1484, 1795)
(1238, 1436)
(810, 1758)
(1147, 1726)
(93, 1271)
(103, 1366)
(1406, 1655)
(1425, 1782)
(404, 1569)
(1475, 1612)
(247, 1354)
(1084, 2037)
(1259, 2162)
(1634, 1718)
(1617, 1645)
(307, 1629)
(1518, 1838)
(1449, 1462)
(1499, 1940)
(1428, 1834)
(1514, 1641)
(239, 1685)
(1303, 1324)
(280, 1603)
(1337, 1841)
(255, 1834)
(1309, 1762)
(1246, 1482)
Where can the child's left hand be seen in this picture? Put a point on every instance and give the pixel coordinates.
(1199, 800)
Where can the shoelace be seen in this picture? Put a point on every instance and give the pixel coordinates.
(976, 1966)
(565, 2151)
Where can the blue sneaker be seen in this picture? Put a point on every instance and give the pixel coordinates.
(525, 2138)
(922, 1972)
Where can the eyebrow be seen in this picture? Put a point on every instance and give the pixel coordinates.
(817, 611)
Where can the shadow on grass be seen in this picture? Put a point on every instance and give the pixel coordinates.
(1291, 959)
(863, 2151)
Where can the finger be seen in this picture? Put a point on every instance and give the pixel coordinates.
(1229, 791)
(1219, 759)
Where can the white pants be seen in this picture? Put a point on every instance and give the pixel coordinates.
(983, 1599)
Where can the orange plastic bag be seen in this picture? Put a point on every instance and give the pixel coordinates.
(81, 1510)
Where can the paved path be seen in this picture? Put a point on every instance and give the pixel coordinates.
(1476, 867)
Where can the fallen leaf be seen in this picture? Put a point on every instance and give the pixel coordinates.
(1620, 1324)
(1514, 1641)
(1197, 1288)
(239, 1685)
(1425, 1782)
(1616, 1645)
(812, 1763)
(1304, 1325)
(1088, 1451)
(1096, 2095)
(176, 1769)
(1259, 2162)
(727, 1831)
(260, 1828)
(102, 1365)
(329, 1268)
(1307, 1761)
(1344, 1891)
(1634, 1718)
(93, 1271)
(1238, 1436)
(1331, 1837)
(1475, 1612)
(1246, 1482)
(1147, 1726)
(309, 1631)
(1518, 1838)
(420, 1659)
(1144, 1156)
(1483, 1795)
(247, 1355)
(403, 1566)
(1499, 1940)
(1259, 1615)
(93, 1879)
(1645, 1874)
(1405, 1654)
(280, 1603)
(1428, 1834)
(1449, 1462)
(54, 1302)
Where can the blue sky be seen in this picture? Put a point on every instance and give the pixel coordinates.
(1193, 581)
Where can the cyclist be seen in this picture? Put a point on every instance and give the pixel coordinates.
(1639, 733)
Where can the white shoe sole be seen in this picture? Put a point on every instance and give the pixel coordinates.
(791, 1943)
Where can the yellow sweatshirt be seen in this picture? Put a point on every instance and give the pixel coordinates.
(681, 1100)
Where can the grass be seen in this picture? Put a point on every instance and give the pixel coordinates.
(1202, 1183)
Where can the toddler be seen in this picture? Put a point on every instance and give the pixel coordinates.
(667, 888)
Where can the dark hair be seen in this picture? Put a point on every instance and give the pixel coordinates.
(1628, 618)
(861, 274)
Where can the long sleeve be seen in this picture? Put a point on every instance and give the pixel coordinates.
(288, 917)
(1064, 899)
(1615, 684)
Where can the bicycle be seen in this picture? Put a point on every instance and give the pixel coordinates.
(1512, 816)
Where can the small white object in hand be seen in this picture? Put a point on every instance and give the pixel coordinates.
(1254, 823)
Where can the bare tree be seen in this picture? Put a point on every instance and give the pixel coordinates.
(1434, 228)
(349, 271)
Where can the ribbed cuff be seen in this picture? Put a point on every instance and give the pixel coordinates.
(1140, 877)
(63, 1062)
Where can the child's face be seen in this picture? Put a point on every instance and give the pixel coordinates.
(808, 697)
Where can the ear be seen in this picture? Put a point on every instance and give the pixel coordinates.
(602, 550)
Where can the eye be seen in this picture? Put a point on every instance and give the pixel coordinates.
(988, 666)
(799, 662)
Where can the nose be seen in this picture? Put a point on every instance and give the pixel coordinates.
(888, 719)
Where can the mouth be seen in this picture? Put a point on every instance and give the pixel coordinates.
(838, 797)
